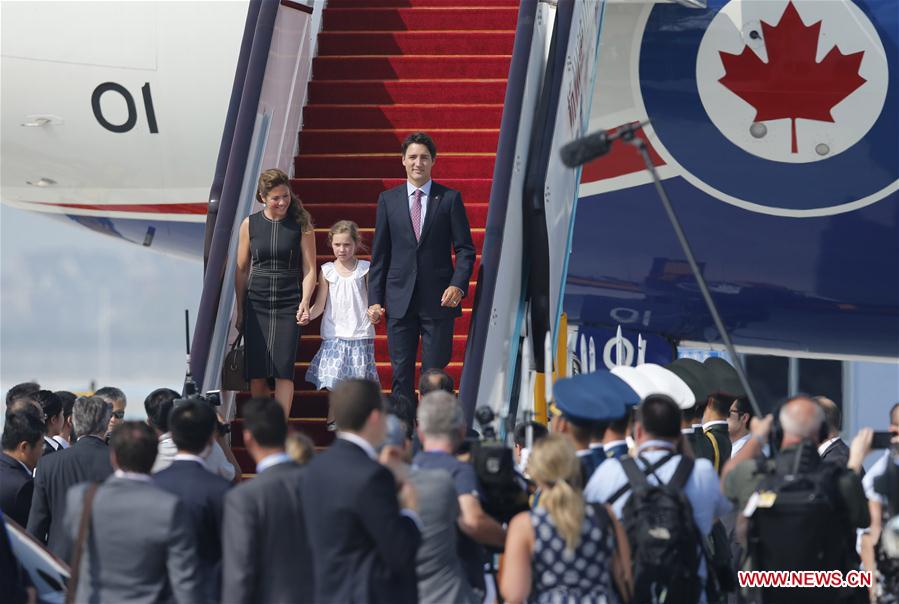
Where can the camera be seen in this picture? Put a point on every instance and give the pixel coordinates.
(505, 490)
(212, 398)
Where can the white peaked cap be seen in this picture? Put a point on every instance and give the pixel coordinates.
(639, 382)
(667, 382)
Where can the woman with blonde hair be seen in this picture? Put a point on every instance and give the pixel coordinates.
(565, 551)
(274, 281)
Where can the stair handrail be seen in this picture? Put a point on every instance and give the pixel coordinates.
(497, 208)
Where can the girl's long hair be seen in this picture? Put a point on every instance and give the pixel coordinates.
(274, 177)
(553, 464)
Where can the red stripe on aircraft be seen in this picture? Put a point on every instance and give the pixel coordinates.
(622, 159)
(153, 208)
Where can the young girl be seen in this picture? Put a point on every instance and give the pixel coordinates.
(348, 337)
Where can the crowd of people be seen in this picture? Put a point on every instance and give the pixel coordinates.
(628, 503)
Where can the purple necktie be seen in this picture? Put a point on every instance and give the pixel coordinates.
(416, 214)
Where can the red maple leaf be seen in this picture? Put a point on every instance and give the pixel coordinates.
(791, 84)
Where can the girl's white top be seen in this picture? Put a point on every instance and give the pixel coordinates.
(345, 314)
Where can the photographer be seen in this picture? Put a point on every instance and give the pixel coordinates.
(881, 485)
(441, 426)
(219, 458)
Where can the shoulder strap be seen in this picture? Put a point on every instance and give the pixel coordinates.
(635, 476)
(627, 486)
(717, 460)
(682, 473)
(83, 529)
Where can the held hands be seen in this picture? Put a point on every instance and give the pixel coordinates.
(452, 295)
(375, 313)
(303, 315)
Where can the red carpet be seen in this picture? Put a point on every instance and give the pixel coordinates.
(386, 68)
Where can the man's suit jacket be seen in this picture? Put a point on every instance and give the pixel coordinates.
(266, 552)
(141, 547)
(85, 461)
(402, 266)
(364, 548)
(718, 452)
(837, 452)
(203, 495)
(50, 447)
(16, 487)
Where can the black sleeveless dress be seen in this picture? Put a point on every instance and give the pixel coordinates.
(273, 295)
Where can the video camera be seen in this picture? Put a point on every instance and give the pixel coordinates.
(505, 490)
(212, 398)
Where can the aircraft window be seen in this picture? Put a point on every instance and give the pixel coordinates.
(769, 377)
(820, 377)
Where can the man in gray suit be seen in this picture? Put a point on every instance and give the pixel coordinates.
(86, 460)
(266, 557)
(141, 547)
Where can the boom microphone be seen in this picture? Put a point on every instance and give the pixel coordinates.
(587, 148)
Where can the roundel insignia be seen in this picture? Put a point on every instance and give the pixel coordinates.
(787, 107)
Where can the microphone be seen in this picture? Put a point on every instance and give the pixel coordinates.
(587, 148)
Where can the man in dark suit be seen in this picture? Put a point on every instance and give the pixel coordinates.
(87, 460)
(53, 424)
(364, 544)
(139, 548)
(833, 450)
(22, 447)
(266, 551)
(726, 388)
(201, 492)
(417, 228)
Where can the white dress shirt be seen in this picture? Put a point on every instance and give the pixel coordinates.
(271, 460)
(425, 196)
(63, 443)
(739, 444)
(826, 444)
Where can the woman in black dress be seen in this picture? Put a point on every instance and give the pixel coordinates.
(275, 254)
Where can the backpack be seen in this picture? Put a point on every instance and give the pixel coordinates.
(799, 523)
(664, 540)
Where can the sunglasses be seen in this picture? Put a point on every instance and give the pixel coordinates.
(118, 414)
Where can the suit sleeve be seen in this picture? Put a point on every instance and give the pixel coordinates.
(181, 562)
(396, 536)
(462, 245)
(239, 547)
(380, 256)
(39, 515)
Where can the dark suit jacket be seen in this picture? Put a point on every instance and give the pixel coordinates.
(402, 266)
(50, 448)
(16, 487)
(717, 453)
(364, 548)
(203, 495)
(85, 461)
(266, 553)
(837, 452)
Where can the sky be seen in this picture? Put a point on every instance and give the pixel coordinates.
(78, 307)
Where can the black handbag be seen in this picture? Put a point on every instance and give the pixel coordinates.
(234, 368)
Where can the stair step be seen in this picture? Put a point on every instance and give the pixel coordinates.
(375, 166)
(415, 67)
(314, 428)
(406, 91)
(417, 19)
(365, 191)
(364, 213)
(309, 345)
(322, 258)
(322, 246)
(391, 141)
(416, 42)
(385, 374)
(420, 3)
(310, 403)
(460, 328)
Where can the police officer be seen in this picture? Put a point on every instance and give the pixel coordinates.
(585, 403)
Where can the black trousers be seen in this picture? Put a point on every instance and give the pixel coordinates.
(403, 334)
